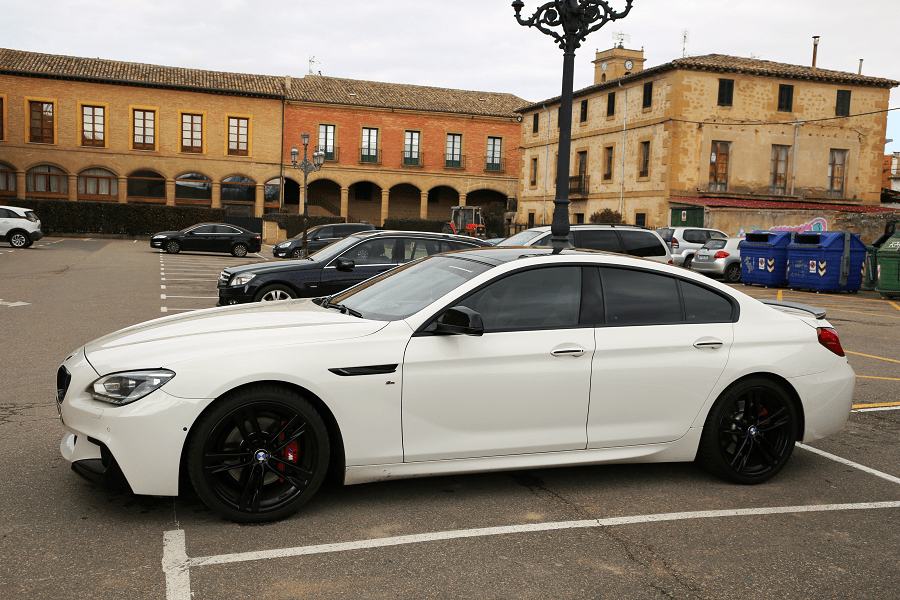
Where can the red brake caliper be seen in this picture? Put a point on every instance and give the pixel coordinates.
(289, 453)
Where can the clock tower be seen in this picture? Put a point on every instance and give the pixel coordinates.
(617, 62)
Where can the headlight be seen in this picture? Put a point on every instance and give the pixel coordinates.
(241, 279)
(158, 237)
(284, 244)
(126, 387)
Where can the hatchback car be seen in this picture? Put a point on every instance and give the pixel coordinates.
(562, 356)
(720, 258)
(625, 239)
(209, 237)
(334, 268)
(685, 241)
(19, 226)
(317, 238)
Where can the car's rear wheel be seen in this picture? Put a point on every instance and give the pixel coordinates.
(259, 454)
(19, 239)
(750, 432)
(173, 247)
(733, 273)
(239, 250)
(270, 293)
(687, 261)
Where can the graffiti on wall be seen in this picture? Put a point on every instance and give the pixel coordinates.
(815, 226)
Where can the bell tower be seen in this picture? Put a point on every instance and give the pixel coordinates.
(617, 62)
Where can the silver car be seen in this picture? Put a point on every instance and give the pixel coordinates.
(683, 242)
(720, 258)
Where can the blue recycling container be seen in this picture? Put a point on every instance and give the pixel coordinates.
(828, 261)
(764, 257)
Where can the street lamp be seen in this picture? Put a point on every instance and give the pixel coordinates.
(307, 168)
(577, 18)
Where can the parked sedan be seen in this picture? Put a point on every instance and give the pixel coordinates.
(479, 360)
(720, 258)
(334, 268)
(208, 237)
(317, 238)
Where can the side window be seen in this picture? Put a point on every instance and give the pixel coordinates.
(344, 230)
(228, 230)
(642, 243)
(546, 298)
(325, 232)
(204, 229)
(702, 305)
(599, 239)
(639, 298)
(714, 235)
(6, 214)
(373, 252)
(694, 236)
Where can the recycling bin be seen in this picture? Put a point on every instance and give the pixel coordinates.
(764, 257)
(828, 261)
(887, 281)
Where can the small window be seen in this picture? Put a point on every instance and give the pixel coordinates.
(493, 159)
(192, 133)
(642, 243)
(726, 92)
(454, 150)
(584, 110)
(779, 172)
(369, 150)
(144, 126)
(611, 104)
(238, 136)
(645, 160)
(41, 122)
(648, 94)
(536, 122)
(639, 298)
(837, 165)
(534, 170)
(718, 166)
(608, 163)
(530, 220)
(640, 219)
(93, 126)
(411, 148)
(841, 107)
(326, 141)
(599, 239)
(786, 98)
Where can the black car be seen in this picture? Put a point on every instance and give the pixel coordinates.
(317, 238)
(209, 237)
(335, 268)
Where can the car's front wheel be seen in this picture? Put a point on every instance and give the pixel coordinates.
(733, 273)
(259, 454)
(297, 253)
(19, 239)
(239, 250)
(173, 247)
(749, 433)
(274, 292)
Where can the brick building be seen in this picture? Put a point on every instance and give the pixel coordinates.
(684, 137)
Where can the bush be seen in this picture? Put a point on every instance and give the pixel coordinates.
(293, 224)
(606, 216)
(112, 218)
(431, 225)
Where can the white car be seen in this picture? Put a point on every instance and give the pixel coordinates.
(607, 237)
(19, 226)
(487, 359)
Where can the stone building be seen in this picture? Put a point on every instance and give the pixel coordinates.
(83, 129)
(668, 144)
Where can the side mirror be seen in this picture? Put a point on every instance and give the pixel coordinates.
(344, 264)
(460, 320)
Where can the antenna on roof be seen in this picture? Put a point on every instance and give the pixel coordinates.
(621, 37)
(685, 38)
(313, 61)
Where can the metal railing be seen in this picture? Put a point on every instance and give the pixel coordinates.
(412, 158)
(495, 164)
(332, 153)
(369, 156)
(454, 161)
(579, 184)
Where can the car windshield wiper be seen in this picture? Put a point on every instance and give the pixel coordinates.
(345, 310)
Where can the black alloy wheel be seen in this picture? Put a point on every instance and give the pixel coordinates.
(297, 253)
(173, 247)
(733, 273)
(259, 454)
(239, 250)
(750, 432)
(19, 239)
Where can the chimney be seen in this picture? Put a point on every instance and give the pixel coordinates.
(815, 50)
(287, 84)
(860, 66)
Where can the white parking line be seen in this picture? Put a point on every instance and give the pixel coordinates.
(176, 563)
(163, 297)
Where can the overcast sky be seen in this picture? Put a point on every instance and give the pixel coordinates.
(464, 44)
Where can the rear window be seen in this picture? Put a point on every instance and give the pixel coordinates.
(715, 244)
(31, 216)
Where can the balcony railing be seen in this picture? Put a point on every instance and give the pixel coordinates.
(412, 158)
(332, 153)
(578, 185)
(496, 164)
(369, 156)
(454, 161)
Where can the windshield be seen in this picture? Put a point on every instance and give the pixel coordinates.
(521, 239)
(406, 290)
(309, 233)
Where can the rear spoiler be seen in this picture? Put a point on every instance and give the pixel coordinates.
(818, 313)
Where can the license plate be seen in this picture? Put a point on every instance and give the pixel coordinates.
(701, 257)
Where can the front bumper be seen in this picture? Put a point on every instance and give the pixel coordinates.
(157, 243)
(281, 252)
(235, 295)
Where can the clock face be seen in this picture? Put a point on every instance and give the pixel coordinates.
(629, 64)
(603, 66)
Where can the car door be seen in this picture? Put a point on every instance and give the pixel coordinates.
(521, 387)
(224, 237)
(321, 238)
(200, 238)
(6, 221)
(661, 348)
(370, 257)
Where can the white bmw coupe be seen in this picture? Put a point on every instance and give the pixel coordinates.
(478, 360)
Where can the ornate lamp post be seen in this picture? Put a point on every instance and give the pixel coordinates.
(307, 167)
(577, 18)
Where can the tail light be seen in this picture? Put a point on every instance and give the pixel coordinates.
(674, 243)
(828, 337)
(670, 262)
(256, 237)
(721, 254)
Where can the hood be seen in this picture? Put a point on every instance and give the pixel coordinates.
(232, 329)
(300, 264)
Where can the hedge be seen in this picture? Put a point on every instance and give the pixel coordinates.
(432, 225)
(293, 224)
(61, 216)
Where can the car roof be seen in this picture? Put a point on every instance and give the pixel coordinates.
(424, 234)
(21, 208)
(590, 226)
(504, 254)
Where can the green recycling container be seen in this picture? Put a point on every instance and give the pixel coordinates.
(887, 282)
(871, 268)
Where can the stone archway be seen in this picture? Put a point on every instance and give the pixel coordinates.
(292, 195)
(405, 202)
(324, 198)
(440, 200)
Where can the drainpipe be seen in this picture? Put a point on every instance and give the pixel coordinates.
(794, 157)
(624, 124)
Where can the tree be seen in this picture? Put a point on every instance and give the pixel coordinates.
(607, 216)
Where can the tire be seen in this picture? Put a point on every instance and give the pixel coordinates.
(297, 253)
(173, 247)
(687, 261)
(239, 250)
(749, 433)
(271, 293)
(733, 273)
(19, 239)
(259, 454)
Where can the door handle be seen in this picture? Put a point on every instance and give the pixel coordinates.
(714, 344)
(573, 352)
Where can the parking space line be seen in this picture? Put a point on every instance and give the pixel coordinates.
(877, 404)
(873, 377)
(850, 463)
(894, 304)
(870, 356)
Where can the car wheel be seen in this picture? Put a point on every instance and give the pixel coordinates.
(19, 239)
(173, 247)
(259, 454)
(297, 253)
(239, 250)
(733, 273)
(687, 261)
(271, 293)
(749, 433)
